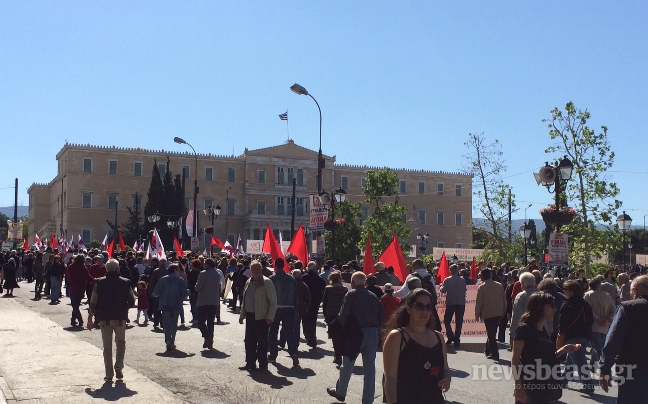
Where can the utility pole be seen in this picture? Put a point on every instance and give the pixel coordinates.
(15, 218)
(510, 211)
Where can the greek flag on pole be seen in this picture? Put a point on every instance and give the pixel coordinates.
(284, 116)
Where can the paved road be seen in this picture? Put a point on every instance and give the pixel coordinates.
(199, 376)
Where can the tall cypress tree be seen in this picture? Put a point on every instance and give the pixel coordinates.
(167, 209)
(154, 202)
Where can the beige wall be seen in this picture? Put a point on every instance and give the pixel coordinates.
(245, 191)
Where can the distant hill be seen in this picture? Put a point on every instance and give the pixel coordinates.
(540, 226)
(9, 211)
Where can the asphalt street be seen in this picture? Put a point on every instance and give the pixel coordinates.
(196, 375)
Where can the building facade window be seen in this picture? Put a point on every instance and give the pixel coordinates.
(209, 174)
(112, 202)
(86, 200)
(403, 186)
(458, 245)
(186, 172)
(422, 216)
(261, 208)
(231, 207)
(286, 236)
(440, 188)
(458, 189)
(231, 175)
(256, 234)
(137, 202)
(232, 241)
(87, 165)
(299, 207)
(162, 167)
(280, 175)
(421, 187)
(300, 177)
(363, 183)
(440, 244)
(207, 203)
(112, 167)
(458, 218)
(291, 175)
(281, 206)
(137, 169)
(440, 218)
(86, 236)
(316, 182)
(344, 183)
(186, 204)
(261, 174)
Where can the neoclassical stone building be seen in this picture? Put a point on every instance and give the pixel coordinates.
(253, 189)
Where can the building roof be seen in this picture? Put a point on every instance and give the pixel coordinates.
(288, 149)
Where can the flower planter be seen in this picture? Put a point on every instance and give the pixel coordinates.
(564, 218)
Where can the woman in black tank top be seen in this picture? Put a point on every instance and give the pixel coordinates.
(415, 360)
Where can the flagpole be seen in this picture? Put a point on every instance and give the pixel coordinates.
(287, 128)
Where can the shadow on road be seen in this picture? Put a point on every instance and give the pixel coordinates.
(296, 372)
(317, 353)
(214, 354)
(273, 381)
(460, 374)
(109, 392)
(175, 353)
(75, 328)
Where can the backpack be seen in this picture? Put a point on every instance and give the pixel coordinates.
(428, 284)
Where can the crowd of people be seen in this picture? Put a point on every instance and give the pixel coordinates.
(551, 320)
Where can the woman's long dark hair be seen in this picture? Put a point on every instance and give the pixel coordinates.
(401, 317)
(535, 308)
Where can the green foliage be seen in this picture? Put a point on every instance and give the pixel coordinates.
(155, 197)
(95, 244)
(347, 238)
(590, 187)
(387, 217)
(133, 227)
(164, 198)
(598, 268)
(4, 226)
(485, 162)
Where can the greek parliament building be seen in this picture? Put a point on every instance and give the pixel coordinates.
(253, 189)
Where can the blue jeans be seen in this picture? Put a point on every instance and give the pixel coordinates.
(55, 288)
(634, 391)
(170, 323)
(285, 315)
(598, 340)
(456, 310)
(368, 352)
(578, 358)
(193, 297)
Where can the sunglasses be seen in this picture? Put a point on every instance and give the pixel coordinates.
(422, 307)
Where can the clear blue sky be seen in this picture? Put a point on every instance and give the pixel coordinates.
(400, 84)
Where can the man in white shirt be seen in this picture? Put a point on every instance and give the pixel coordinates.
(419, 271)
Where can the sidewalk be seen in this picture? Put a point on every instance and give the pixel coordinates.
(41, 362)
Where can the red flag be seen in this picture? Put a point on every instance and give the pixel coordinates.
(26, 244)
(53, 242)
(178, 247)
(298, 245)
(473, 270)
(444, 269)
(393, 256)
(122, 246)
(368, 264)
(215, 241)
(111, 248)
(271, 246)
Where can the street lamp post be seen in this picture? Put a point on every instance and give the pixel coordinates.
(624, 221)
(212, 213)
(455, 259)
(195, 197)
(297, 89)
(226, 212)
(525, 231)
(423, 241)
(339, 196)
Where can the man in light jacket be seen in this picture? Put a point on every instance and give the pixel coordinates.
(287, 303)
(208, 287)
(528, 285)
(490, 307)
(454, 287)
(259, 309)
(603, 308)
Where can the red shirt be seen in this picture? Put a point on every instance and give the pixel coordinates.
(77, 276)
(390, 303)
(97, 270)
(517, 288)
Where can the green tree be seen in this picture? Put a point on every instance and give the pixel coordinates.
(133, 227)
(155, 198)
(4, 226)
(485, 163)
(387, 217)
(348, 237)
(595, 194)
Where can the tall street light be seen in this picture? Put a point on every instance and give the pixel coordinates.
(297, 89)
(525, 231)
(624, 221)
(195, 197)
(339, 196)
(423, 242)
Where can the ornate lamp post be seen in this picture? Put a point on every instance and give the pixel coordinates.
(455, 259)
(525, 231)
(212, 212)
(339, 196)
(297, 89)
(624, 221)
(423, 241)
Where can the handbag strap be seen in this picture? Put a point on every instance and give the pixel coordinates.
(577, 317)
